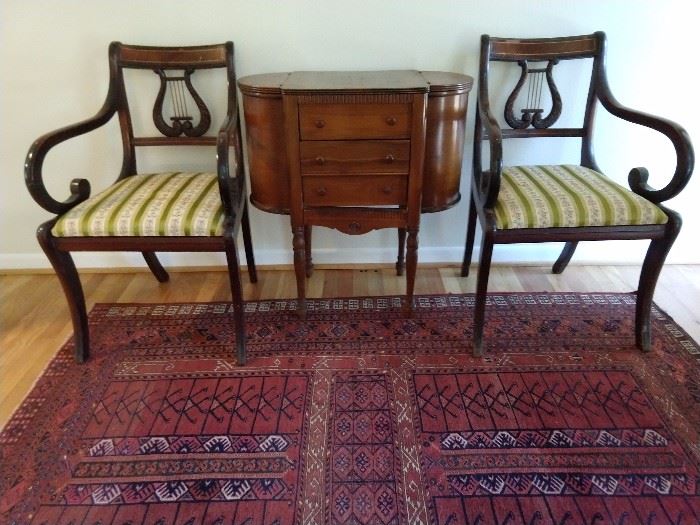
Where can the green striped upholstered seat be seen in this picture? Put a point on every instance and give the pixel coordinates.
(567, 196)
(160, 204)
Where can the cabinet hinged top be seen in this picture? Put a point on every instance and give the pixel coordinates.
(440, 83)
(306, 82)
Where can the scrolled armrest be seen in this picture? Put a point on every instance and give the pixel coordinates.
(33, 177)
(685, 156)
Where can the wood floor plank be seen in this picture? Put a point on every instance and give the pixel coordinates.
(35, 321)
(451, 280)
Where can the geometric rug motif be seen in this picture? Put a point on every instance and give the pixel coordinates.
(590, 437)
(363, 414)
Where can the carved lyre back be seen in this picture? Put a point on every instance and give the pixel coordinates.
(179, 112)
(536, 86)
(181, 120)
(536, 79)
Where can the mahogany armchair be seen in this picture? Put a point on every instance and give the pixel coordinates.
(167, 211)
(568, 203)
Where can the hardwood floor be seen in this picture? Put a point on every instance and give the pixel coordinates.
(34, 318)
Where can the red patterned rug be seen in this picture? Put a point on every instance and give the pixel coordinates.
(362, 415)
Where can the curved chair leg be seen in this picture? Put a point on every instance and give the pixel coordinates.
(482, 282)
(234, 273)
(564, 257)
(653, 262)
(248, 245)
(67, 274)
(400, 258)
(307, 247)
(469, 245)
(155, 267)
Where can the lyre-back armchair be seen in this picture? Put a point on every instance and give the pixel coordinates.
(572, 202)
(151, 212)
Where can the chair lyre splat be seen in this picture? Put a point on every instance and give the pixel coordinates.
(531, 114)
(182, 121)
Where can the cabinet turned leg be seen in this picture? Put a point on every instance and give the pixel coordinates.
(411, 266)
(300, 268)
(307, 249)
(400, 263)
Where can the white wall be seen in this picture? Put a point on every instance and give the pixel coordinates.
(54, 72)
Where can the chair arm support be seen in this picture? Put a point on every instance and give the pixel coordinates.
(230, 189)
(490, 185)
(33, 176)
(685, 156)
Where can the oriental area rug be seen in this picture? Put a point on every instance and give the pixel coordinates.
(363, 415)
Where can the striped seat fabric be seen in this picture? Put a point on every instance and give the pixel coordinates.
(160, 204)
(568, 196)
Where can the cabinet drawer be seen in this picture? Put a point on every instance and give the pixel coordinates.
(341, 157)
(354, 121)
(356, 190)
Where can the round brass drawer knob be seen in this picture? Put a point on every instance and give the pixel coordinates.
(391, 121)
(320, 123)
(320, 161)
(322, 192)
(389, 158)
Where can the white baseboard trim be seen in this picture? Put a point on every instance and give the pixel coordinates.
(532, 254)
